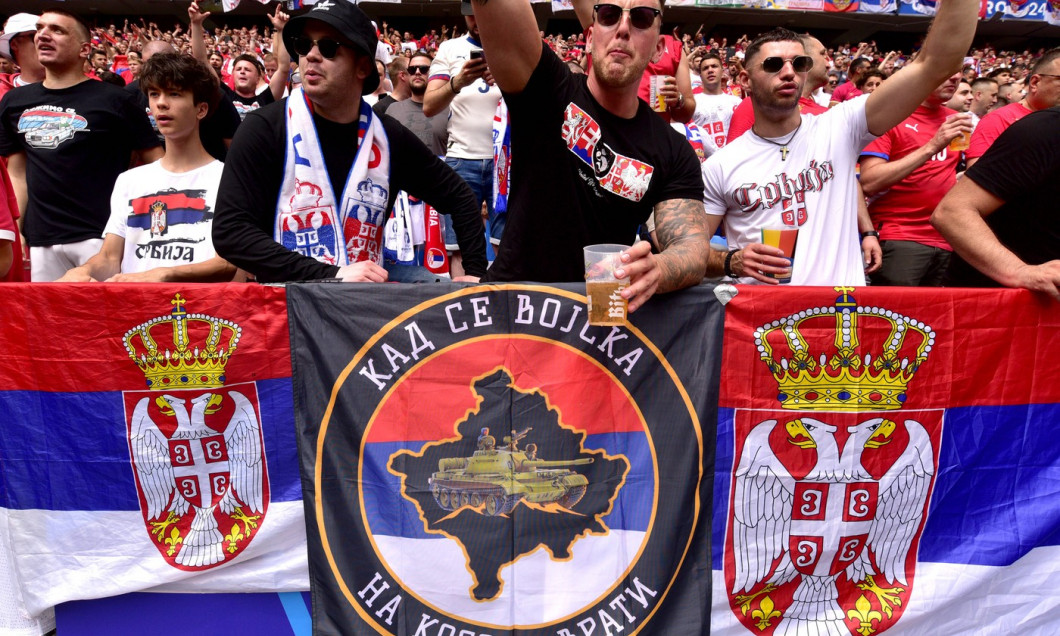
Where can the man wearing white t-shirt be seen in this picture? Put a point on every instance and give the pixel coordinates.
(162, 213)
(460, 79)
(713, 107)
(796, 171)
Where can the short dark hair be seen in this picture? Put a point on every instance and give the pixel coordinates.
(779, 34)
(96, 52)
(860, 82)
(710, 55)
(980, 82)
(859, 64)
(1046, 59)
(247, 57)
(178, 71)
(994, 74)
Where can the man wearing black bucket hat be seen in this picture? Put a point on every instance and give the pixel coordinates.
(309, 180)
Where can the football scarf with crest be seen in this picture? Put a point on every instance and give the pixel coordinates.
(310, 219)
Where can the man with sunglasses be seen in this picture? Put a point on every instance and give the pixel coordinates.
(309, 180)
(591, 160)
(795, 170)
(432, 131)
(1043, 91)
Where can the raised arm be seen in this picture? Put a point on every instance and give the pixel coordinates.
(197, 34)
(278, 82)
(510, 38)
(947, 41)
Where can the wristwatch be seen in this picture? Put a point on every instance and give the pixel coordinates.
(870, 233)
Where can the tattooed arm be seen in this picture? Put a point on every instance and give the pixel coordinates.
(681, 227)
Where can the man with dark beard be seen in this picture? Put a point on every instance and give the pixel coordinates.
(794, 170)
(431, 130)
(591, 160)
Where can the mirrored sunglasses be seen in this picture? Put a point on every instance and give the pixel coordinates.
(328, 47)
(799, 63)
(608, 15)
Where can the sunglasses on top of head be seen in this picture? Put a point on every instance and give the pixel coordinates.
(608, 15)
(418, 68)
(328, 47)
(799, 63)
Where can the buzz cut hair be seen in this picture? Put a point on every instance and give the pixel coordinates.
(1046, 59)
(980, 83)
(779, 34)
(79, 26)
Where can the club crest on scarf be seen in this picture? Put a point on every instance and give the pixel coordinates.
(195, 443)
(830, 492)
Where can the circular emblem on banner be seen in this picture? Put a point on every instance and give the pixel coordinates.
(508, 467)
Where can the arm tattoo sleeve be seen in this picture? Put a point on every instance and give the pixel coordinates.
(681, 228)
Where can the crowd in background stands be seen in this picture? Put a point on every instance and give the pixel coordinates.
(117, 51)
(117, 57)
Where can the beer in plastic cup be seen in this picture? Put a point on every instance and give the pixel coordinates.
(602, 289)
(961, 142)
(785, 239)
(655, 98)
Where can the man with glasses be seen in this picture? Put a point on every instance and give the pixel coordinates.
(16, 44)
(432, 131)
(309, 180)
(591, 160)
(1001, 216)
(1043, 91)
(793, 170)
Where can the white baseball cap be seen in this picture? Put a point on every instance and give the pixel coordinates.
(15, 25)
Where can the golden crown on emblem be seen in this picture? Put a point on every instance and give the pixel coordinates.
(181, 363)
(813, 375)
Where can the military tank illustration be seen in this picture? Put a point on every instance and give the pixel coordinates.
(502, 477)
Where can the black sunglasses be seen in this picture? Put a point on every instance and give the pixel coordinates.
(418, 68)
(328, 47)
(608, 15)
(799, 63)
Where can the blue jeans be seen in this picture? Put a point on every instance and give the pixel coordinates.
(478, 173)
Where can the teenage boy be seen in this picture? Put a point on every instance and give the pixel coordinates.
(162, 213)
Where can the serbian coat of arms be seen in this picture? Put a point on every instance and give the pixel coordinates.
(830, 491)
(195, 443)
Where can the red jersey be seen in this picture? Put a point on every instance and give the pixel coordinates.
(744, 115)
(667, 65)
(992, 125)
(902, 212)
(844, 92)
(9, 228)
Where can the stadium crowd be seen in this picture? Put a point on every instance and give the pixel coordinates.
(457, 118)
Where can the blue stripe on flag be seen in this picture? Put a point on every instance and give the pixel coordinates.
(996, 494)
(632, 509)
(69, 451)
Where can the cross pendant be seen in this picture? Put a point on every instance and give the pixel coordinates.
(783, 153)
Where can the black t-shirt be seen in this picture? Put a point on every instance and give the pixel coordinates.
(219, 124)
(1022, 168)
(384, 102)
(581, 175)
(250, 187)
(77, 141)
(245, 105)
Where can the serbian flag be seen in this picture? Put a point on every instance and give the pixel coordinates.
(841, 6)
(484, 460)
(885, 461)
(147, 441)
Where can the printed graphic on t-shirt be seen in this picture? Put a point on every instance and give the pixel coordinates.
(243, 108)
(789, 192)
(50, 126)
(621, 175)
(167, 216)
